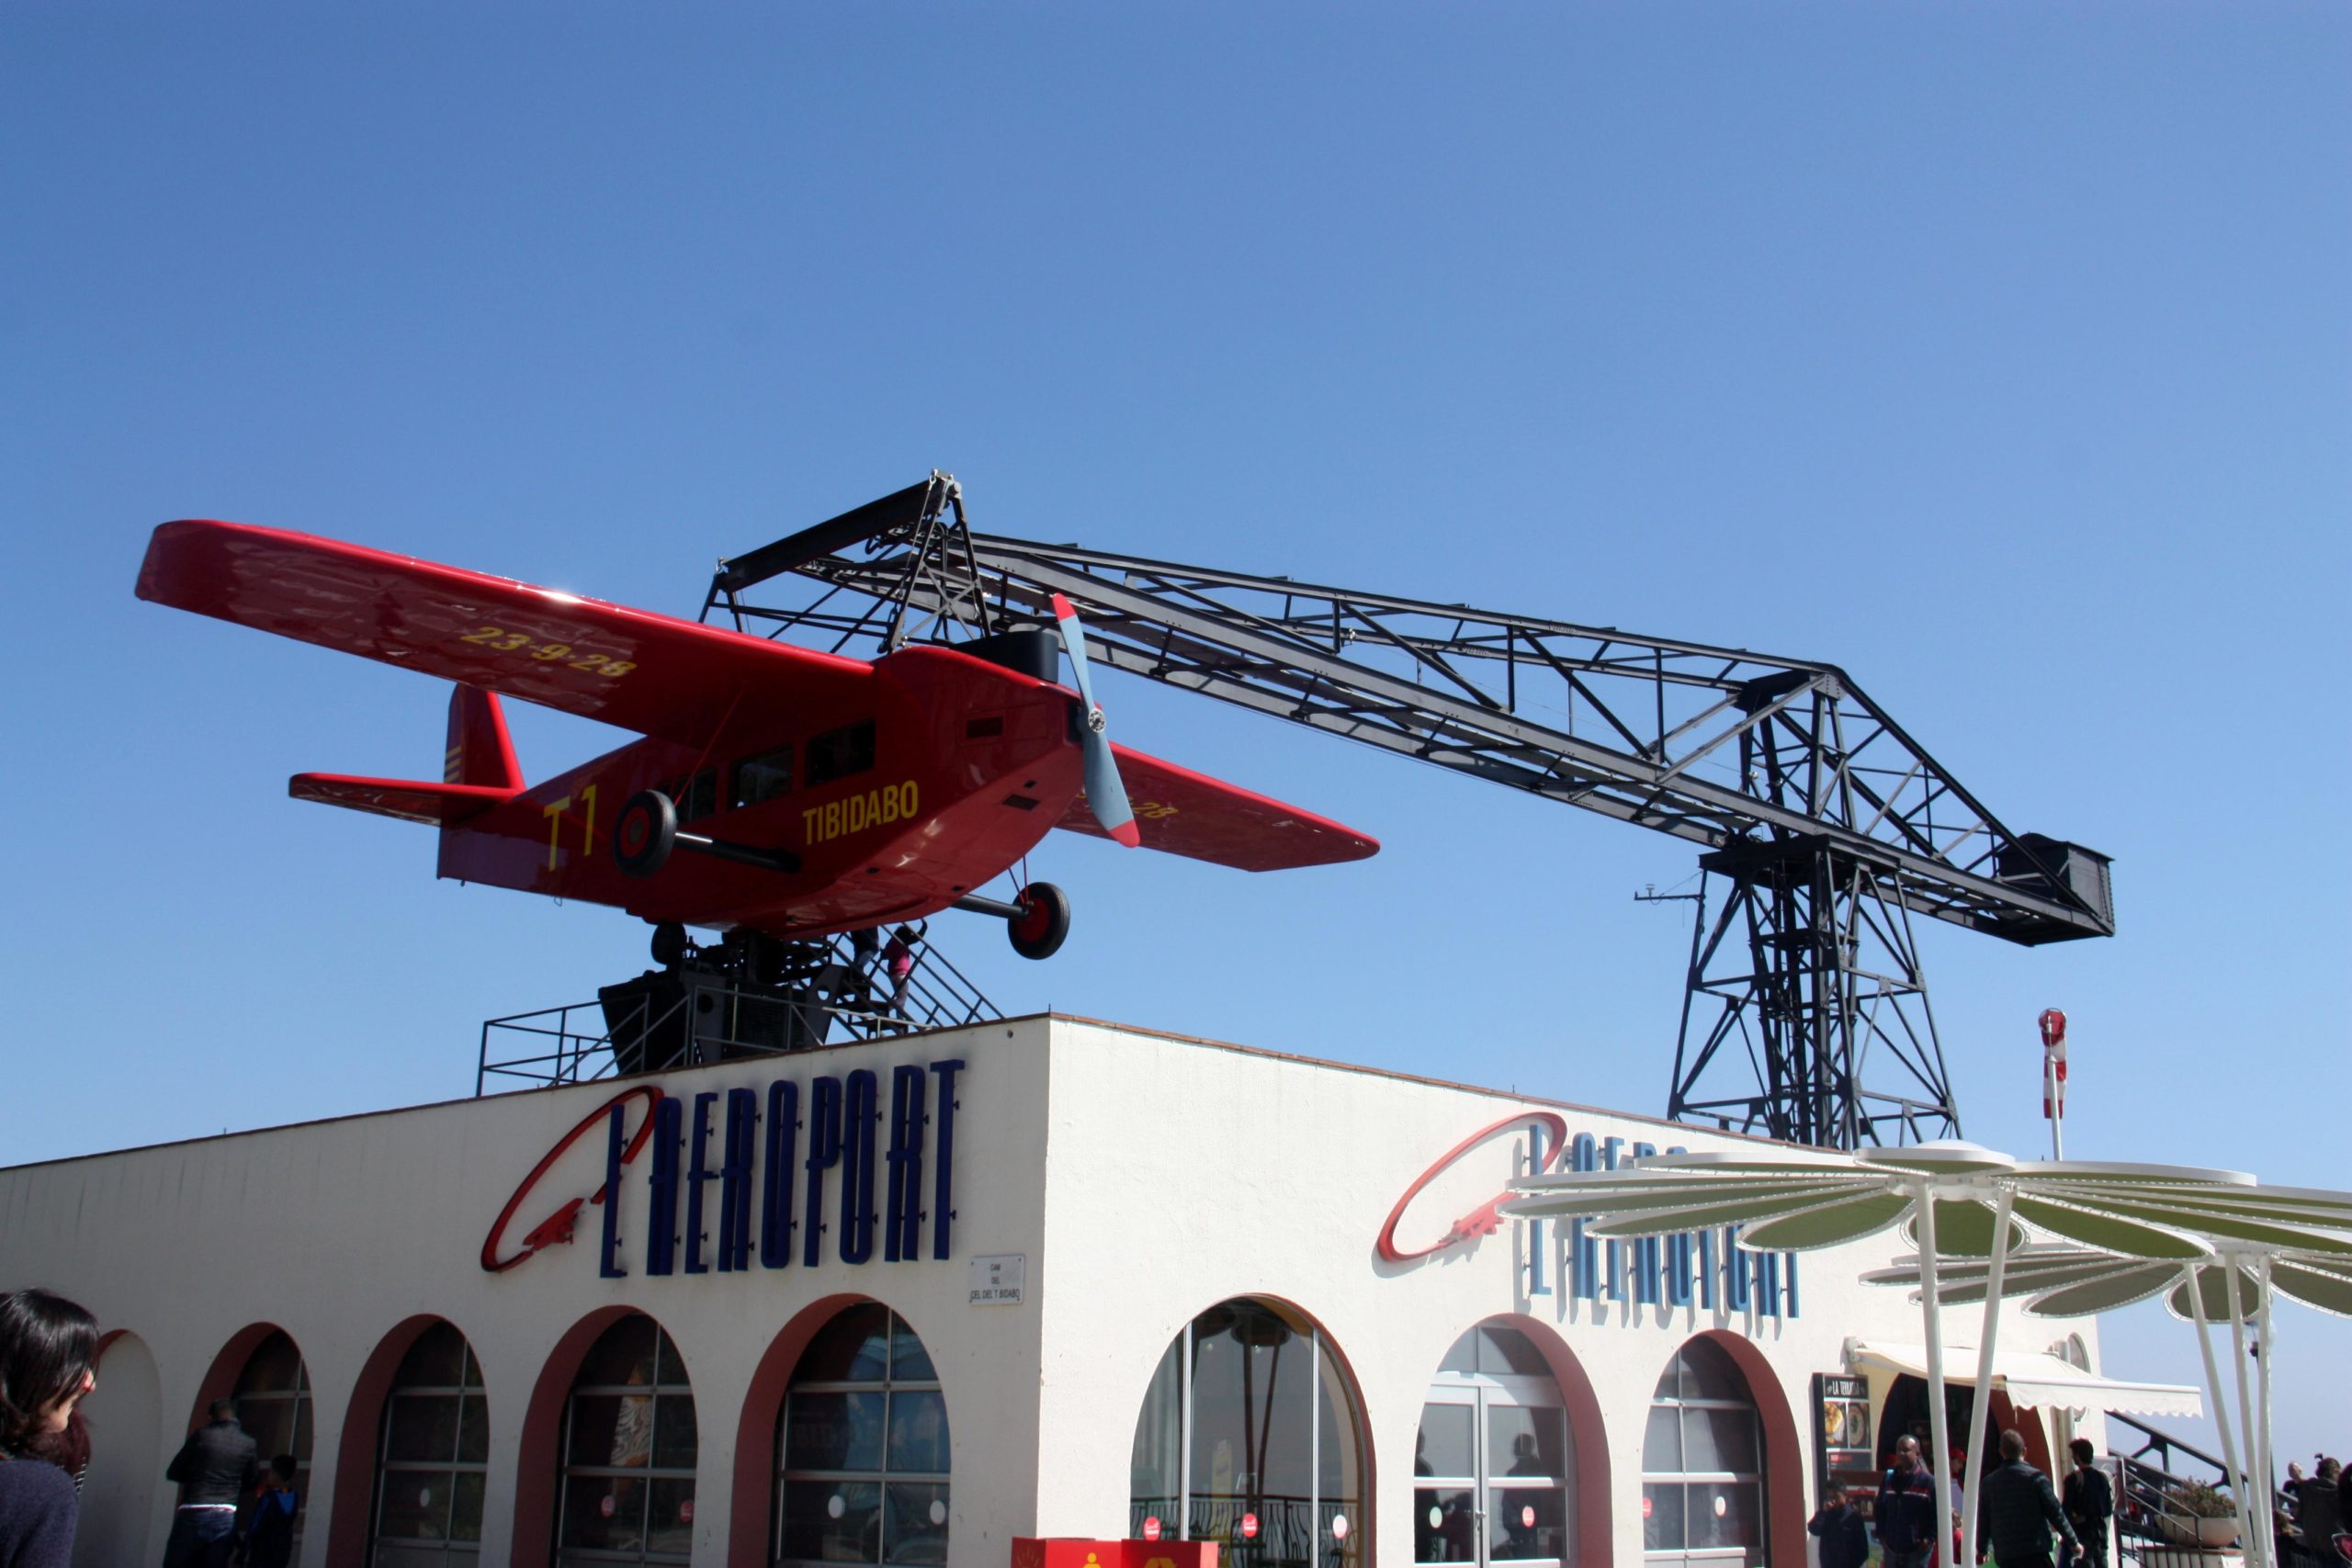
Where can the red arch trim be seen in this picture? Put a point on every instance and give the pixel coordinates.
(751, 1497)
(220, 1378)
(356, 1456)
(1784, 1509)
(537, 1466)
(1589, 1434)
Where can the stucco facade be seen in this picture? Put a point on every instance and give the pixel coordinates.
(1140, 1179)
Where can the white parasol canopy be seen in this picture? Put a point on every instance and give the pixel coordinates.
(2236, 1288)
(1963, 1203)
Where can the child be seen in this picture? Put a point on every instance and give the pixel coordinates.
(269, 1540)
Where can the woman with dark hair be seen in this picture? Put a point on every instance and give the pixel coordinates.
(48, 1348)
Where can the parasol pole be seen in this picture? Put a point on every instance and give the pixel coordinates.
(2269, 1503)
(2255, 1531)
(1980, 1408)
(1938, 1426)
(2213, 1382)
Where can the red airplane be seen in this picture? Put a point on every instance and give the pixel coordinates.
(815, 794)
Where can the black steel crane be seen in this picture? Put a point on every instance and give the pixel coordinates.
(1825, 827)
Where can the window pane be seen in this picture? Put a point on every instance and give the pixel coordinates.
(465, 1507)
(1661, 1517)
(832, 1521)
(1506, 1350)
(917, 1528)
(834, 1431)
(918, 1432)
(1445, 1527)
(602, 1511)
(611, 1428)
(270, 1422)
(473, 1430)
(624, 1354)
(702, 796)
(422, 1426)
(1662, 1445)
(1462, 1355)
(673, 1432)
(854, 1347)
(1152, 1472)
(763, 777)
(840, 754)
(1708, 1373)
(1731, 1438)
(415, 1506)
(275, 1366)
(436, 1360)
(1446, 1444)
(669, 1525)
(1527, 1521)
(1521, 1441)
(909, 1362)
(1725, 1516)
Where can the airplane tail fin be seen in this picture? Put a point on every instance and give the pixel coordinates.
(481, 752)
(478, 772)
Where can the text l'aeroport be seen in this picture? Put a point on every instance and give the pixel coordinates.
(1694, 1268)
(757, 1170)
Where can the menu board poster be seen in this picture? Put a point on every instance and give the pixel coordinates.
(1843, 1452)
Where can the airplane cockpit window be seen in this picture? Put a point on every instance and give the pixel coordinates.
(838, 753)
(696, 797)
(763, 777)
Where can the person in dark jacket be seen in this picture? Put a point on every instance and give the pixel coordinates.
(217, 1468)
(2016, 1511)
(2089, 1503)
(1910, 1515)
(269, 1542)
(49, 1352)
(1845, 1539)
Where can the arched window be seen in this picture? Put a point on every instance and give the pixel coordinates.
(1494, 1468)
(1251, 1437)
(274, 1404)
(862, 1448)
(629, 1452)
(1702, 1464)
(431, 1456)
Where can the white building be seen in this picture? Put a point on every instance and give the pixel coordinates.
(908, 1300)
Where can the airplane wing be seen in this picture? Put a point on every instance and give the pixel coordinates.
(436, 805)
(678, 680)
(1183, 813)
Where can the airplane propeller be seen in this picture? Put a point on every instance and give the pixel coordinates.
(1106, 792)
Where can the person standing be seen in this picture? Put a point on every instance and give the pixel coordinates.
(269, 1542)
(217, 1469)
(1908, 1516)
(2016, 1511)
(49, 1352)
(2089, 1503)
(2319, 1512)
(1845, 1539)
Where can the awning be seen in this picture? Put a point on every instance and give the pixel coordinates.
(2044, 1381)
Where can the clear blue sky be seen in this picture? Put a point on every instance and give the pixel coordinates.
(1997, 352)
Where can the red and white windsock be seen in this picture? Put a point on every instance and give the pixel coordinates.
(2053, 1075)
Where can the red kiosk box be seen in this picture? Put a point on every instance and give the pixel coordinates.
(1073, 1552)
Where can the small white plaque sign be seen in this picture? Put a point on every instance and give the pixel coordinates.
(997, 1281)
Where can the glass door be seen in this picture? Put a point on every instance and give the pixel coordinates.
(1491, 1465)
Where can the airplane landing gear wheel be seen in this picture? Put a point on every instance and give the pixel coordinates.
(669, 944)
(645, 833)
(1043, 922)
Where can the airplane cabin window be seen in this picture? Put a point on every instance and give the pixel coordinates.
(763, 777)
(838, 753)
(701, 797)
